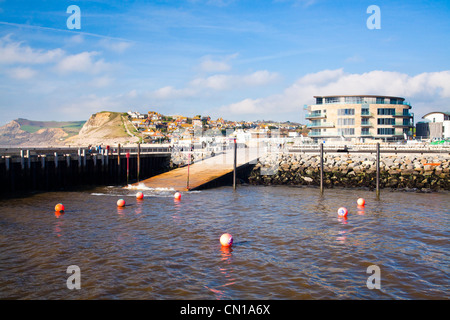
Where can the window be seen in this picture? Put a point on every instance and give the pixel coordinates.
(406, 122)
(346, 112)
(386, 111)
(346, 131)
(386, 131)
(380, 101)
(346, 122)
(405, 112)
(386, 121)
(393, 101)
(353, 100)
(333, 100)
(318, 100)
(365, 112)
(365, 131)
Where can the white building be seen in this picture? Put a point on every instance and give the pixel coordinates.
(436, 125)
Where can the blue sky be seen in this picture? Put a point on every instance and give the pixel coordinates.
(240, 60)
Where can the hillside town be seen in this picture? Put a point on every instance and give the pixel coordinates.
(156, 127)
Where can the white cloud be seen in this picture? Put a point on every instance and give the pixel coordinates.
(21, 73)
(226, 82)
(219, 82)
(16, 52)
(82, 62)
(114, 45)
(222, 64)
(90, 103)
(101, 82)
(425, 91)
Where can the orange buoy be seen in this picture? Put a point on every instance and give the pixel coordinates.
(361, 202)
(177, 196)
(121, 203)
(139, 195)
(59, 207)
(226, 240)
(342, 212)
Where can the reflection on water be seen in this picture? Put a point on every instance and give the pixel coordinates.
(289, 244)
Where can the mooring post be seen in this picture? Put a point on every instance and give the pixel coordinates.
(234, 164)
(138, 160)
(378, 170)
(83, 154)
(128, 166)
(321, 167)
(56, 160)
(28, 160)
(189, 163)
(22, 159)
(118, 154)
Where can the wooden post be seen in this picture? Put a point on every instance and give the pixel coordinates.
(56, 160)
(128, 166)
(138, 160)
(189, 163)
(83, 154)
(234, 165)
(321, 168)
(378, 170)
(22, 159)
(28, 160)
(118, 154)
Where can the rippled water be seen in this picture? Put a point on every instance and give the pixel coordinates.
(288, 244)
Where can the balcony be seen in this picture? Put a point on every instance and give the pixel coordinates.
(315, 116)
(402, 115)
(366, 114)
(402, 125)
(321, 125)
(366, 124)
(322, 134)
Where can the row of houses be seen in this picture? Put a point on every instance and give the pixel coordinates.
(156, 126)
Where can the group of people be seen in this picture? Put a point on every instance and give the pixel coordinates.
(98, 149)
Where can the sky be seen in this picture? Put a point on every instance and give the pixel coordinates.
(236, 59)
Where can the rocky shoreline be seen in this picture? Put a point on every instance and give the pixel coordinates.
(409, 172)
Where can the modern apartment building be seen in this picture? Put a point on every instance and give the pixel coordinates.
(360, 117)
(436, 125)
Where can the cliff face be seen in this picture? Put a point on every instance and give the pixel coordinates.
(11, 134)
(108, 128)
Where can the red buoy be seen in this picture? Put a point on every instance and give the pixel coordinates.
(139, 195)
(226, 240)
(342, 212)
(59, 207)
(121, 203)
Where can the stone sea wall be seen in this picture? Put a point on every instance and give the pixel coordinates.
(427, 172)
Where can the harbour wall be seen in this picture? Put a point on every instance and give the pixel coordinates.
(421, 172)
(31, 172)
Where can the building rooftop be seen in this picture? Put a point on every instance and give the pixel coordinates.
(360, 95)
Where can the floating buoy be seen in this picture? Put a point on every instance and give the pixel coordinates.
(226, 240)
(361, 202)
(342, 212)
(59, 207)
(139, 195)
(121, 203)
(177, 196)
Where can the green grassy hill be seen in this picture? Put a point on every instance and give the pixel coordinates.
(70, 127)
